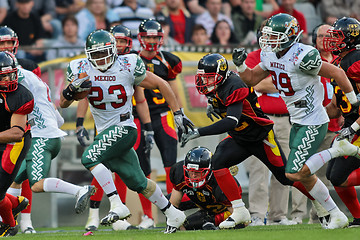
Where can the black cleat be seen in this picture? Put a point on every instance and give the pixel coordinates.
(170, 229)
(354, 223)
(91, 228)
(7, 231)
(23, 203)
(209, 226)
(324, 220)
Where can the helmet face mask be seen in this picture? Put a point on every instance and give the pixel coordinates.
(197, 167)
(212, 72)
(281, 32)
(344, 35)
(8, 72)
(8, 35)
(101, 49)
(151, 35)
(123, 38)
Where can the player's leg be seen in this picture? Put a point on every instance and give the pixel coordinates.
(166, 140)
(25, 222)
(229, 153)
(93, 221)
(304, 142)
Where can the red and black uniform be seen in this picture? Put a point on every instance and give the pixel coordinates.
(252, 134)
(30, 65)
(339, 169)
(20, 101)
(167, 66)
(209, 198)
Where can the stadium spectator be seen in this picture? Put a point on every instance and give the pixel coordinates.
(131, 14)
(180, 20)
(68, 7)
(69, 44)
(4, 7)
(287, 6)
(223, 35)
(211, 16)
(29, 29)
(331, 10)
(95, 15)
(199, 36)
(245, 21)
(168, 40)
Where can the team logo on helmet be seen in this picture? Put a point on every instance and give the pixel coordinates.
(222, 64)
(354, 29)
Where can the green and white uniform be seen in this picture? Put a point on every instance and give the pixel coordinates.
(110, 101)
(45, 121)
(295, 76)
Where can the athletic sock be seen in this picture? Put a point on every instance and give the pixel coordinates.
(99, 191)
(302, 189)
(26, 192)
(316, 161)
(322, 195)
(169, 185)
(120, 187)
(349, 197)
(146, 205)
(227, 184)
(158, 198)
(60, 186)
(354, 178)
(6, 212)
(14, 191)
(104, 178)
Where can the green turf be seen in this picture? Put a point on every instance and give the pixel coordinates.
(298, 232)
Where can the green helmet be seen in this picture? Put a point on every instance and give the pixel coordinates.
(100, 49)
(281, 31)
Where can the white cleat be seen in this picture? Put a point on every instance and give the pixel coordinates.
(146, 222)
(174, 218)
(93, 221)
(337, 220)
(239, 215)
(118, 213)
(83, 198)
(122, 225)
(343, 148)
(29, 230)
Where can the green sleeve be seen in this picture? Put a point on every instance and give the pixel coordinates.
(140, 71)
(311, 63)
(69, 73)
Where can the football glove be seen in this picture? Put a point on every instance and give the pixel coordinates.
(239, 55)
(347, 132)
(80, 84)
(81, 134)
(185, 137)
(149, 141)
(183, 123)
(210, 112)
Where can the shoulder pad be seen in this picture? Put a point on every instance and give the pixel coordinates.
(311, 62)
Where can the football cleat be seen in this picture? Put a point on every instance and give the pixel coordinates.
(324, 221)
(354, 223)
(122, 225)
(83, 198)
(7, 231)
(29, 230)
(93, 221)
(170, 229)
(174, 217)
(146, 222)
(337, 220)
(343, 148)
(256, 221)
(209, 226)
(118, 213)
(23, 203)
(239, 215)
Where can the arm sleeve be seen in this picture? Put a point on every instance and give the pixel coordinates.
(229, 123)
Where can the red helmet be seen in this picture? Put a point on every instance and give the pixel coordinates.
(8, 69)
(151, 28)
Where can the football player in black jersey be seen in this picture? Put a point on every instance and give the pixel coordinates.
(15, 139)
(167, 66)
(194, 177)
(343, 173)
(250, 131)
(143, 145)
(9, 42)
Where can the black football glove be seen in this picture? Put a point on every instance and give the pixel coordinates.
(81, 134)
(239, 55)
(347, 132)
(185, 137)
(183, 123)
(210, 112)
(149, 141)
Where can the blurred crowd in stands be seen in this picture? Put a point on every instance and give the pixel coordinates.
(61, 26)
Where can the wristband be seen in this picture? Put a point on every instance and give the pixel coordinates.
(68, 94)
(351, 97)
(79, 121)
(148, 127)
(241, 68)
(355, 126)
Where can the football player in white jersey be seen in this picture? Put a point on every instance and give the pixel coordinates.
(112, 81)
(45, 123)
(294, 68)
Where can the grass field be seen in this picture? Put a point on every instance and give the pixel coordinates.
(298, 232)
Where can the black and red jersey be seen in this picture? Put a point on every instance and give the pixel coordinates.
(167, 66)
(351, 65)
(253, 125)
(209, 197)
(30, 66)
(20, 101)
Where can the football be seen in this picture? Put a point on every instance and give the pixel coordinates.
(83, 94)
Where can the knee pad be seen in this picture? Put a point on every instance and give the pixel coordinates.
(150, 188)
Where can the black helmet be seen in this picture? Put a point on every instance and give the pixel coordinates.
(198, 161)
(345, 34)
(122, 32)
(150, 28)
(8, 68)
(213, 67)
(7, 34)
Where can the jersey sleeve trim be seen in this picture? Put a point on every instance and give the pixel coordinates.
(353, 72)
(237, 96)
(26, 108)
